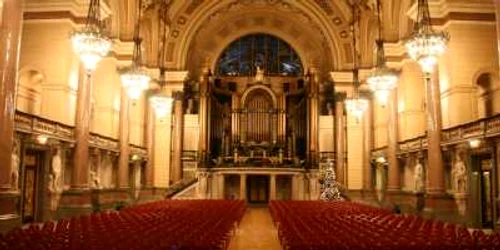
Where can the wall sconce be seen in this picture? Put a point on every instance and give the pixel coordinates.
(475, 143)
(135, 157)
(42, 139)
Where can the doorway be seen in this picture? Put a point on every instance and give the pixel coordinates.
(258, 189)
(482, 181)
(32, 183)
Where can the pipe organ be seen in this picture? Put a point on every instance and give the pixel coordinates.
(256, 123)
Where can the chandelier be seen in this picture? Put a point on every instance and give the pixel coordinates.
(426, 45)
(355, 105)
(136, 79)
(160, 101)
(90, 43)
(382, 79)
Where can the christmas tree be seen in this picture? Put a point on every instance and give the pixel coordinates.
(330, 186)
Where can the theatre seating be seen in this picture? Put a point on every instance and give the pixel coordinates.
(347, 225)
(196, 225)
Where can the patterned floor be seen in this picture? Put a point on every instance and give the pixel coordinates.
(256, 231)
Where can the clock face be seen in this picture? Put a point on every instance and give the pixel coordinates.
(269, 53)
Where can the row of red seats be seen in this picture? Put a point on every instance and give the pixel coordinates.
(169, 224)
(348, 225)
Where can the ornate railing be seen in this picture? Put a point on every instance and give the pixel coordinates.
(37, 125)
(482, 128)
(103, 142)
(486, 127)
(413, 145)
(31, 124)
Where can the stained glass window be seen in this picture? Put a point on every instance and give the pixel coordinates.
(271, 54)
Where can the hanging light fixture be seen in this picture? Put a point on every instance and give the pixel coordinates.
(382, 79)
(160, 101)
(90, 43)
(355, 105)
(426, 45)
(135, 78)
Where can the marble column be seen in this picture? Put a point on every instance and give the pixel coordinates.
(221, 187)
(80, 172)
(313, 94)
(149, 141)
(177, 138)
(434, 124)
(12, 16)
(272, 187)
(243, 186)
(367, 148)
(10, 43)
(203, 184)
(497, 11)
(339, 140)
(392, 143)
(123, 139)
(203, 146)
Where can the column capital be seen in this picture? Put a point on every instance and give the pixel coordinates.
(178, 95)
(340, 96)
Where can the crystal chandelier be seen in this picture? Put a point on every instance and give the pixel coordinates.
(90, 43)
(160, 101)
(382, 79)
(136, 79)
(426, 45)
(355, 105)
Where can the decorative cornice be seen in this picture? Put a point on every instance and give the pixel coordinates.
(443, 11)
(75, 10)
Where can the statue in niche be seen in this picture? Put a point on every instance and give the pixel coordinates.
(15, 166)
(189, 110)
(418, 177)
(55, 184)
(329, 108)
(259, 74)
(459, 175)
(94, 178)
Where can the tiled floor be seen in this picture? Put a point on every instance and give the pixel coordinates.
(256, 231)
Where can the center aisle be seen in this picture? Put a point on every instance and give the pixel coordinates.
(256, 231)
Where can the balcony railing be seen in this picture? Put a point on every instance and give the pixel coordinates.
(31, 124)
(482, 128)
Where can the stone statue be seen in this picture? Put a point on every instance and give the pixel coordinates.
(56, 171)
(190, 107)
(95, 179)
(259, 74)
(329, 108)
(15, 166)
(460, 178)
(55, 184)
(418, 177)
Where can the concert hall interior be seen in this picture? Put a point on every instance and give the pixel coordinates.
(249, 124)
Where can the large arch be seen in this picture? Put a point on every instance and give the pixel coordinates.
(213, 38)
(327, 24)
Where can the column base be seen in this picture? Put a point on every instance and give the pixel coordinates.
(75, 202)
(369, 195)
(439, 206)
(9, 207)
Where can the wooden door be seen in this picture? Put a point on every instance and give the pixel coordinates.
(30, 183)
(258, 189)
